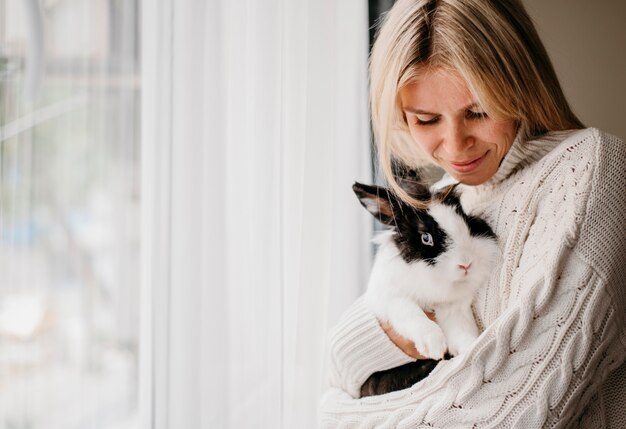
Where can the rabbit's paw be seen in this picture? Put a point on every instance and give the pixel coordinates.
(430, 342)
(459, 343)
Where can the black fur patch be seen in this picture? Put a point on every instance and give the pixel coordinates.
(411, 224)
(398, 378)
(476, 226)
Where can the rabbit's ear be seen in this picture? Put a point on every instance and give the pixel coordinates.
(414, 187)
(410, 180)
(376, 200)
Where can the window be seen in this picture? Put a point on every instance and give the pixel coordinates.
(69, 210)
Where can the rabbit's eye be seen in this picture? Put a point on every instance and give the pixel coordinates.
(427, 239)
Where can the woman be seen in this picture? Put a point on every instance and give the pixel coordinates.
(467, 85)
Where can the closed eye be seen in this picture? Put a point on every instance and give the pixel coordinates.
(432, 120)
(426, 120)
(471, 114)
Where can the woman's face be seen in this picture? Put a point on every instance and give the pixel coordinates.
(445, 119)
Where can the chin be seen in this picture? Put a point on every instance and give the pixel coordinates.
(471, 180)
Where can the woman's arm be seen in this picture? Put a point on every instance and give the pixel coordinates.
(539, 362)
(359, 347)
(406, 345)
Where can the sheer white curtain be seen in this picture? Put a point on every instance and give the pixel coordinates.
(255, 126)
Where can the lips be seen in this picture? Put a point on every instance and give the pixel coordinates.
(467, 166)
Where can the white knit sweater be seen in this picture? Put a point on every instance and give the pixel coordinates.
(553, 313)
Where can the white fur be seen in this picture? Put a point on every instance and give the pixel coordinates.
(399, 292)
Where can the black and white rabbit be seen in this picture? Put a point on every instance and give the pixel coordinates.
(430, 259)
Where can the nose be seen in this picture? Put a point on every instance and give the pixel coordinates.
(458, 139)
(465, 267)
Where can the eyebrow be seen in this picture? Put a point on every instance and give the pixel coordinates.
(424, 112)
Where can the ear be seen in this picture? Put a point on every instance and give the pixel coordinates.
(376, 200)
(448, 195)
(414, 187)
(400, 169)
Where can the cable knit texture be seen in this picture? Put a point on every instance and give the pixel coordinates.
(553, 313)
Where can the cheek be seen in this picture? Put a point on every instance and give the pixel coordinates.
(426, 140)
(500, 133)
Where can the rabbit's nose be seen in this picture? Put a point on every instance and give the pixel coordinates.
(465, 267)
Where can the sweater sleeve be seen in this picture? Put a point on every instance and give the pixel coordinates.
(548, 353)
(358, 348)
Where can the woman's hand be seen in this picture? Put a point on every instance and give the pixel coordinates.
(407, 346)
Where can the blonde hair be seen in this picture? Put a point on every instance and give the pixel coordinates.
(491, 44)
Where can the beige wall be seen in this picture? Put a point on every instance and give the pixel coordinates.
(586, 41)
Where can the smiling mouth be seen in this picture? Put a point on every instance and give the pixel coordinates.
(467, 166)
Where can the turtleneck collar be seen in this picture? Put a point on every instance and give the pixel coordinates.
(525, 152)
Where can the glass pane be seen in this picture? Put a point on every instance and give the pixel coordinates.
(69, 213)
